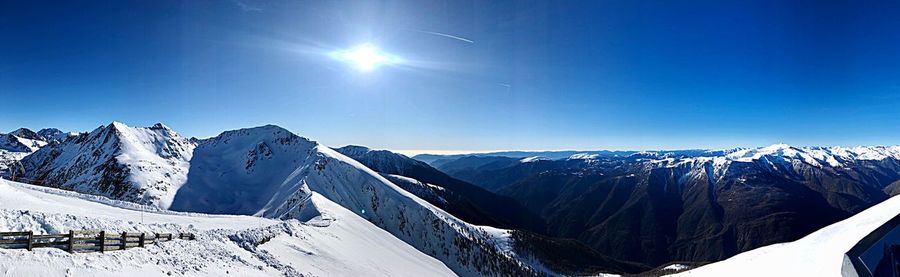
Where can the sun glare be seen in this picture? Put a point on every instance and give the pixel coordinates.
(365, 57)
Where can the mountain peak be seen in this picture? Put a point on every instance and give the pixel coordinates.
(160, 126)
(50, 133)
(26, 133)
(268, 128)
(353, 150)
(141, 165)
(116, 125)
(778, 146)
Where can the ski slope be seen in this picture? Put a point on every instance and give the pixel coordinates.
(337, 243)
(818, 254)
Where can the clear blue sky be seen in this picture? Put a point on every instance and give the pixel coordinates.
(560, 75)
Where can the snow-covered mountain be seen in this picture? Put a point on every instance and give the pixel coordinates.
(54, 135)
(141, 165)
(268, 172)
(692, 206)
(734, 199)
(818, 254)
(271, 172)
(22, 142)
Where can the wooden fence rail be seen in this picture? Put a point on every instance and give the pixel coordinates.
(83, 241)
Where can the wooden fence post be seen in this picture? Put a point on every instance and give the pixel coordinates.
(124, 238)
(71, 241)
(141, 242)
(30, 240)
(102, 241)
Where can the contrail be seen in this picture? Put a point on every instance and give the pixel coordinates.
(446, 36)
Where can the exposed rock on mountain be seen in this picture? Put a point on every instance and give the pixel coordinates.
(142, 165)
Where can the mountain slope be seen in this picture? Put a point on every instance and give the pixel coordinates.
(704, 206)
(142, 165)
(269, 171)
(464, 200)
(21, 140)
(820, 253)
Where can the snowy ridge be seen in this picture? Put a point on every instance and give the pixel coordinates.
(271, 172)
(787, 156)
(583, 156)
(533, 159)
(468, 250)
(387, 161)
(142, 165)
(833, 156)
(427, 192)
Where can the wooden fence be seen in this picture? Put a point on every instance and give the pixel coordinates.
(84, 241)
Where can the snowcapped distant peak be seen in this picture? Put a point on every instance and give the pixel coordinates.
(54, 135)
(818, 156)
(756, 153)
(584, 156)
(533, 159)
(26, 134)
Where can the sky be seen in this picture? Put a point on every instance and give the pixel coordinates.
(465, 75)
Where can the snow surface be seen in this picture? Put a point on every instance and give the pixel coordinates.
(339, 243)
(818, 254)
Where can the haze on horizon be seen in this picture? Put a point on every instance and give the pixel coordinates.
(477, 77)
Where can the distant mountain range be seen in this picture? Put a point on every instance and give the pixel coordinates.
(696, 205)
(505, 213)
(19, 143)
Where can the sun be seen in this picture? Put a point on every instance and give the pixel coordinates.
(365, 57)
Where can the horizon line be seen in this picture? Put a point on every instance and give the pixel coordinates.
(445, 152)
